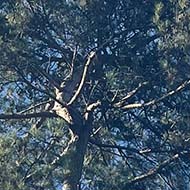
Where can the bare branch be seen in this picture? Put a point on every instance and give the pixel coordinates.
(129, 95)
(72, 62)
(90, 108)
(99, 144)
(155, 101)
(28, 116)
(34, 106)
(40, 90)
(154, 171)
(47, 76)
(93, 106)
(90, 57)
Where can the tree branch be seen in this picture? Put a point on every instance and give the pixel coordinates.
(90, 57)
(34, 106)
(39, 90)
(129, 95)
(28, 116)
(155, 101)
(154, 171)
(91, 108)
(99, 144)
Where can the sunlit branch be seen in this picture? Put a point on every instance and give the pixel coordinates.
(155, 101)
(90, 57)
(153, 171)
(91, 107)
(129, 95)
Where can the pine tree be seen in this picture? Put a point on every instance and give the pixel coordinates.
(94, 94)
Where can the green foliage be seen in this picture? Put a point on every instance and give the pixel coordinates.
(147, 48)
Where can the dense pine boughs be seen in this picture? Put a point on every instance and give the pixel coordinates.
(94, 94)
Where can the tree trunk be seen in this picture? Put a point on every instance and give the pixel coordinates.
(75, 156)
(80, 127)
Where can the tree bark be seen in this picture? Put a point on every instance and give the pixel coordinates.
(75, 156)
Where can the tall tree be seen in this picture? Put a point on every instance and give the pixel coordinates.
(94, 94)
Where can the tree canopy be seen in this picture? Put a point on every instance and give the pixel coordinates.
(94, 94)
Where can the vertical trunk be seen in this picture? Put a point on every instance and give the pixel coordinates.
(75, 157)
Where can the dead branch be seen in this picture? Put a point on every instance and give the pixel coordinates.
(154, 171)
(29, 115)
(155, 101)
(129, 95)
(90, 108)
(90, 57)
(35, 106)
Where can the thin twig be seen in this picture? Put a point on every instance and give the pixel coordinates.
(40, 90)
(34, 106)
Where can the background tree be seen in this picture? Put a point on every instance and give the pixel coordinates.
(94, 94)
